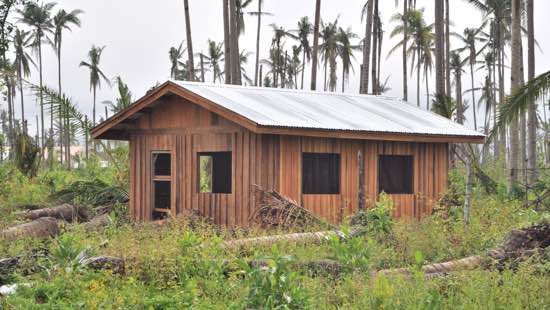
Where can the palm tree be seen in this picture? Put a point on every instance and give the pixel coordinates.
(375, 36)
(63, 21)
(38, 17)
(366, 12)
(421, 38)
(279, 33)
(259, 14)
(214, 58)
(175, 55)
(241, 6)
(305, 28)
(404, 54)
(470, 38)
(456, 66)
(243, 60)
(124, 99)
(345, 51)
(329, 51)
(190, 60)
(22, 41)
(96, 74)
(315, 45)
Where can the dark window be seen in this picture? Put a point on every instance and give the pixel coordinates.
(215, 172)
(320, 173)
(162, 163)
(162, 185)
(395, 174)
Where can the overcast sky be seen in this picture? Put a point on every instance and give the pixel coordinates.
(138, 34)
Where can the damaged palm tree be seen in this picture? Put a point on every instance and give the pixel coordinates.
(276, 210)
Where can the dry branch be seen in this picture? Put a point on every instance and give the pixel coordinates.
(276, 210)
(43, 227)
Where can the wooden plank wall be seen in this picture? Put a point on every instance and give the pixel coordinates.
(271, 161)
(430, 175)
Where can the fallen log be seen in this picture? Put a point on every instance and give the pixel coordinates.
(299, 238)
(66, 212)
(43, 227)
(8, 265)
(517, 246)
(97, 223)
(115, 264)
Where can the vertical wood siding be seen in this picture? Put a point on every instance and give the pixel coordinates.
(270, 161)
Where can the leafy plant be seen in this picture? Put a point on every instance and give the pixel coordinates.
(275, 286)
(354, 254)
(377, 219)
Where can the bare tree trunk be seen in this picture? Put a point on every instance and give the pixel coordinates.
(502, 136)
(469, 182)
(303, 69)
(227, 42)
(474, 107)
(315, 51)
(447, 49)
(404, 55)
(260, 76)
(515, 84)
(439, 49)
(366, 48)
(86, 136)
(418, 79)
(41, 94)
(20, 79)
(235, 61)
(190, 60)
(375, 48)
(532, 108)
(61, 121)
(257, 66)
(202, 67)
(459, 106)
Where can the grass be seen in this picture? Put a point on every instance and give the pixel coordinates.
(176, 267)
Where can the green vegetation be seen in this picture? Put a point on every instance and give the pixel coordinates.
(180, 265)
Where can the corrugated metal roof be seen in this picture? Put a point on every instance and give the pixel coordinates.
(273, 107)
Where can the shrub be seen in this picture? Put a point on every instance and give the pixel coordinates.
(377, 219)
(354, 254)
(276, 286)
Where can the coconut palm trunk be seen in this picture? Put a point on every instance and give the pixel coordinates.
(532, 109)
(439, 49)
(303, 69)
(447, 49)
(366, 48)
(315, 52)
(60, 115)
(474, 108)
(257, 66)
(42, 141)
(459, 107)
(227, 42)
(515, 84)
(20, 80)
(234, 35)
(190, 60)
(502, 136)
(404, 56)
(375, 48)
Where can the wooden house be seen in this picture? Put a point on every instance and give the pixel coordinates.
(203, 147)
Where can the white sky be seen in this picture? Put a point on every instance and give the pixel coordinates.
(138, 35)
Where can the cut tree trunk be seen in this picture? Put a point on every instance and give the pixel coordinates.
(65, 212)
(43, 227)
(97, 223)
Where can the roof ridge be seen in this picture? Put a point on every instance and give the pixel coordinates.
(286, 90)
